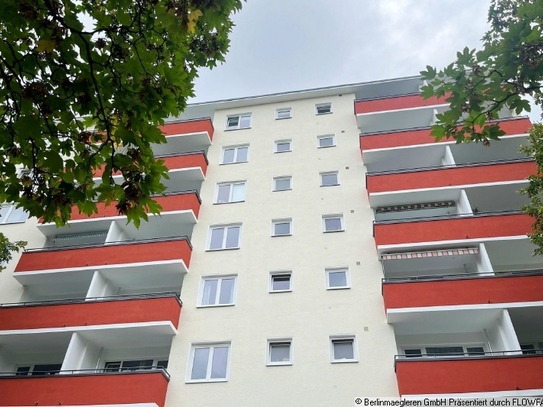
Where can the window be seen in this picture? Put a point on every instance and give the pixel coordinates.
(326, 141)
(329, 179)
(209, 362)
(224, 237)
(280, 281)
(235, 154)
(283, 113)
(217, 291)
(532, 348)
(279, 352)
(230, 192)
(282, 183)
(134, 365)
(282, 227)
(323, 108)
(333, 223)
(337, 279)
(343, 349)
(39, 370)
(283, 146)
(445, 351)
(238, 121)
(11, 214)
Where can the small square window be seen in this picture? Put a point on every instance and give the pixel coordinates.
(235, 154)
(282, 227)
(217, 291)
(279, 352)
(283, 113)
(238, 121)
(229, 192)
(326, 141)
(343, 349)
(282, 183)
(224, 237)
(323, 108)
(283, 146)
(333, 223)
(280, 281)
(208, 363)
(329, 179)
(337, 279)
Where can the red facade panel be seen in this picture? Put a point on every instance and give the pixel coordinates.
(472, 227)
(125, 388)
(469, 375)
(395, 103)
(443, 177)
(486, 290)
(137, 252)
(121, 311)
(189, 127)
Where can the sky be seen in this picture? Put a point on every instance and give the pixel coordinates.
(287, 45)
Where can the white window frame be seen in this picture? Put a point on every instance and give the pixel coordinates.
(278, 341)
(276, 145)
(154, 364)
(235, 148)
(280, 274)
(337, 338)
(281, 221)
(323, 105)
(223, 246)
(424, 354)
(324, 137)
(333, 216)
(330, 270)
(329, 173)
(240, 116)
(231, 193)
(11, 209)
(287, 111)
(286, 177)
(211, 346)
(219, 279)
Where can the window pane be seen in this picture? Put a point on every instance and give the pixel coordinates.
(245, 121)
(199, 364)
(238, 192)
(332, 224)
(23, 371)
(337, 279)
(282, 228)
(227, 291)
(283, 146)
(220, 361)
(324, 109)
(133, 365)
(217, 236)
(228, 156)
(475, 351)
(242, 154)
(46, 370)
(329, 179)
(223, 193)
(280, 352)
(326, 141)
(233, 121)
(413, 353)
(343, 349)
(210, 292)
(282, 184)
(18, 215)
(4, 210)
(281, 282)
(445, 351)
(232, 237)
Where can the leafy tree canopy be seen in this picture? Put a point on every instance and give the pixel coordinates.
(503, 74)
(84, 84)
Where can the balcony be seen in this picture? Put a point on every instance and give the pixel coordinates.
(463, 289)
(452, 228)
(413, 137)
(491, 372)
(85, 388)
(124, 309)
(186, 136)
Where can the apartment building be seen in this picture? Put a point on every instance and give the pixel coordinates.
(314, 247)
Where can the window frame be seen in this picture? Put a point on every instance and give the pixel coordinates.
(11, 210)
(337, 338)
(329, 270)
(225, 237)
(219, 279)
(284, 141)
(211, 346)
(236, 147)
(275, 179)
(281, 273)
(423, 353)
(279, 341)
(326, 136)
(231, 183)
(283, 109)
(281, 221)
(321, 105)
(239, 116)
(333, 216)
(323, 185)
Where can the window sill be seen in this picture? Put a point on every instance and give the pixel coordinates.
(339, 288)
(271, 364)
(283, 118)
(206, 381)
(226, 203)
(319, 147)
(322, 114)
(237, 162)
(280, 291)
(281, 152)
(333, 231)
(331, 185)
(242, 128)
(222, 249)
(290, 234)
(282, 190)
(344, 361)
(215, 305)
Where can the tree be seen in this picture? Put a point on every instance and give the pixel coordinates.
(504, 73)
(85, 84)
